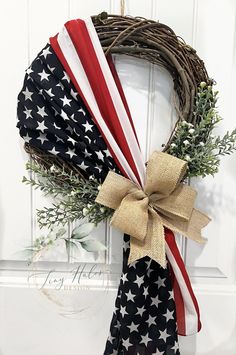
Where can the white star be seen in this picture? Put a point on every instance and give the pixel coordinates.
(49, 92)
(44, 75)
(65, 77)
(124, 278)
(99, 167)
(149, 272)
(126, 343)
(164, 335)
(111, 338)
(168, 315)
(155, 301)
(160, 282)
(70, 129)
(74, 94)
(73, 141)
(71, 152)
(145, 339)
(151, 320)
(133, 327)
(175, 347)
(42, 137)
(41, 111)
(139, 280)
(118, 325)
(41, 93)
(55, 111)
(108, 154)
(27, 138)
(140, 310)
(73, 117)
(100, 155)
(133, 264)
(75, 131)
(87, 154)
(130, 296)
(82, 110)
(123, 311)
(83, 166)
(171, 295)
(27, 94)
(88, 127)
(60, 85)
(148, 263)
(28, 113)
(29, 71)
(66, 101)
(64, 115)
(145, 291)
(53, 151)
(46, 52)
(54, 124)
(89, 140)
(41, 126)
(58, 138)
(51, 68)
(126, 245)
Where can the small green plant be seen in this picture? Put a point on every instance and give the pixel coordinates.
(196, 143)
(74, 197)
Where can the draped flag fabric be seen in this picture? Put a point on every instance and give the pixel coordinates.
(72, 105)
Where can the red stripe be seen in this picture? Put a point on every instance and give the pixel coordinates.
(79, 35)
(57, 50)
(179, 304)
(170, 239)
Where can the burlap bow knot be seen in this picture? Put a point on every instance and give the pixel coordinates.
(164, 202)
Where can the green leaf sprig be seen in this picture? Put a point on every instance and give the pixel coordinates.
(196, 143)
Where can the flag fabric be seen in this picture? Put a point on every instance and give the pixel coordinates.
(52, 117)
(72, 105)
(78, 48)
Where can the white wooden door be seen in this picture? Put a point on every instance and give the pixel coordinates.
(75, 320)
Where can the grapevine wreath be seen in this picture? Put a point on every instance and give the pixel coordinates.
(150, 301)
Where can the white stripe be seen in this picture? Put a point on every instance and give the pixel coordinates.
(71, 56)
(117, 101)
(191, 316)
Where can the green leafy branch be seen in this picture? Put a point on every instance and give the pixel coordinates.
(196, 143)
(74, 196)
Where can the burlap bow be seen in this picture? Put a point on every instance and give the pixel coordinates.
(164, 202)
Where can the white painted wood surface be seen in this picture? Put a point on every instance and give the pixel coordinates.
(43, 322)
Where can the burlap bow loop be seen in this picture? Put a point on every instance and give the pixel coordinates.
(163, 202)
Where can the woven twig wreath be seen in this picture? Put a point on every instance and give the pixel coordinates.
(158, 44)
(192, 139)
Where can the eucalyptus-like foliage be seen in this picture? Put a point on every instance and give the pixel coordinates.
(73, 196)
(196, 143)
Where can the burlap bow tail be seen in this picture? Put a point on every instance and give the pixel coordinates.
(164, 202)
